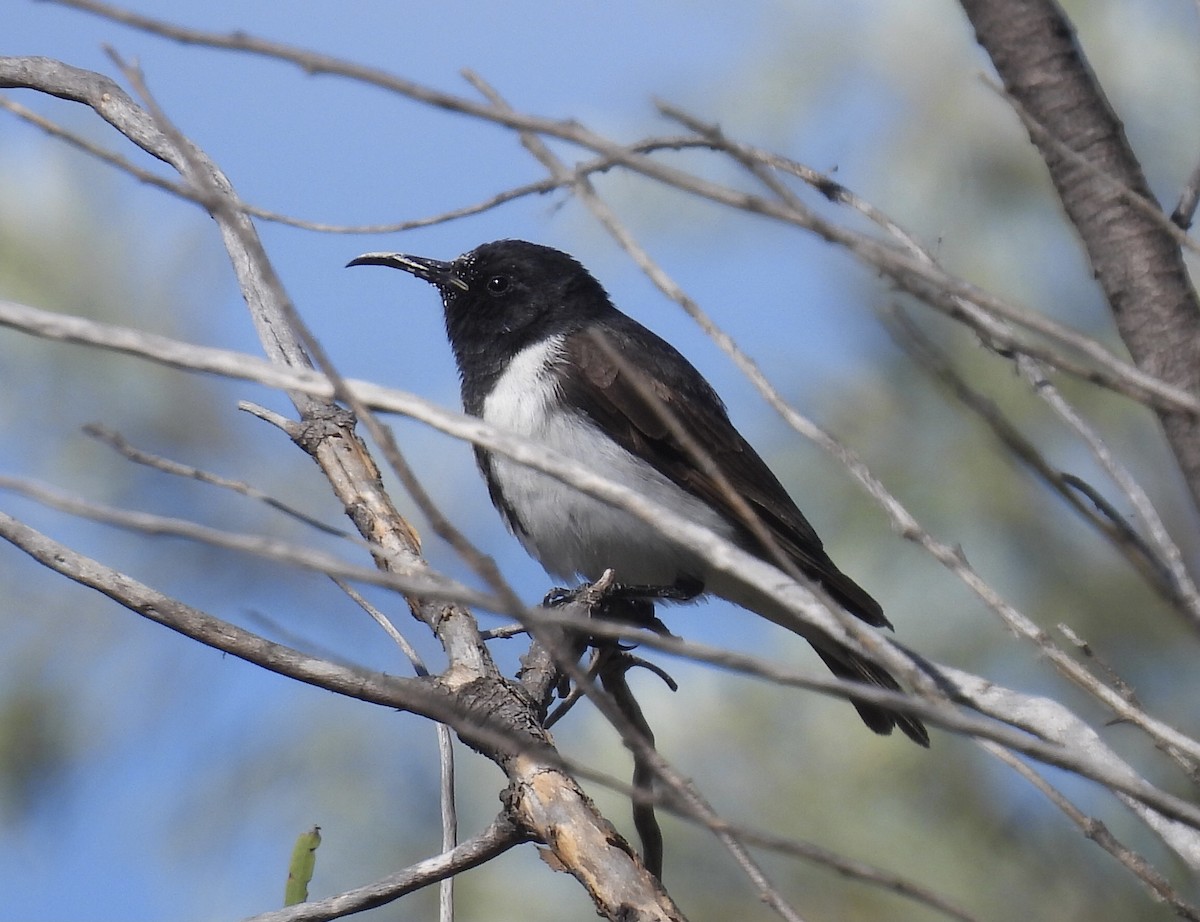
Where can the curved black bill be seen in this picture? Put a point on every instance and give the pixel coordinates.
(433, 271)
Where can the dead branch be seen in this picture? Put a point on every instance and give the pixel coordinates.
(1137, 263)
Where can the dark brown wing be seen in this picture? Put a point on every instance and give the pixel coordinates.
(632, 404)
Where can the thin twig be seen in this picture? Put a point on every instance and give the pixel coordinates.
(503, 633)
(263, 546)
(95, 150)
(445, 747)
(1095, 830)
(498, 838)
(541, 187)
(613, 679)
(1098, 513)
(848, 625)
(963, 303)
(417, 695)
(647, 762)
(389, 628)
(120, 444)
(909, 272)
(1167, 550)
(1114, 678)
(1145, 206)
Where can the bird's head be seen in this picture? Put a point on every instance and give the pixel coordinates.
(508, 290)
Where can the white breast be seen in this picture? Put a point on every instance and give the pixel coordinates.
(569, 532)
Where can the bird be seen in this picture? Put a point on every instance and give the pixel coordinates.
(543, 352)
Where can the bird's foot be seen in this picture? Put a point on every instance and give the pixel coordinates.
(634, 604)
(562, 595)
(612, 602)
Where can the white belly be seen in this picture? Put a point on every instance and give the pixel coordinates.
(570, 533)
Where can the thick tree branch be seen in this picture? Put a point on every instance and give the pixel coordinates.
(546, 800)
(418, 695)
(487, 713)
(1137, 263)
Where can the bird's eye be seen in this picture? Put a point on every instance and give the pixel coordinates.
(497, 284)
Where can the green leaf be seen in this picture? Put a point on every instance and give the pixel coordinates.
(300, 868)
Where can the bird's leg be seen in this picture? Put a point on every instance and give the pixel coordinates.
(606, 598)
(684, 589)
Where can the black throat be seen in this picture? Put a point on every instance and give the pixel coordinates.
(517, 295)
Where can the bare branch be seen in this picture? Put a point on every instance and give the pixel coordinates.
(498, 838)
(1168, 551)
(95, 150)
(1095, 830)
(445, 747)
(416, 695)
(1098, 513)
(120, 444)
(264, 546)
(1137, 262)
(968, 306)
(858, 870)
